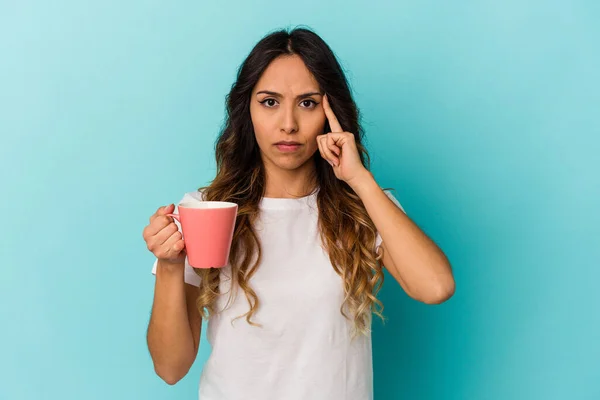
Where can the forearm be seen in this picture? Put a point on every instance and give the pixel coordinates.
(170, 338)
(416, 259)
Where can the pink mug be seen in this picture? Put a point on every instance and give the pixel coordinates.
(207, 229)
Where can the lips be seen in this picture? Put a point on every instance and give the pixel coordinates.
(287, 143)
(287, 147)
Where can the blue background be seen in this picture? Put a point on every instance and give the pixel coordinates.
(483, 116)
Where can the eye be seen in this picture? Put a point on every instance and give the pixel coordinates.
(269, 103)
(309, 103)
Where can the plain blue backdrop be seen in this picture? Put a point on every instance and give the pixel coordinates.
(482, 115)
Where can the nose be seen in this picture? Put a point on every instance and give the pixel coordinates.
(289, 123)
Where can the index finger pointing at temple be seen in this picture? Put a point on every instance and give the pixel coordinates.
(333, 121)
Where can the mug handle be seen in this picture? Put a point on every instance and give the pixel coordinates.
(176, 216)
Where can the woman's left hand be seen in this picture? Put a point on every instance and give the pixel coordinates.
(339, 148)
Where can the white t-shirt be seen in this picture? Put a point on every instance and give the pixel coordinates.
(303, 349)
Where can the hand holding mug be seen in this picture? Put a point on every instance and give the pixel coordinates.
(163, 238)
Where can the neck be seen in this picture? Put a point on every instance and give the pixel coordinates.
(282, 183)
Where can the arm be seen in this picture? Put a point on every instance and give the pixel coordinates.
(174, 329)
(414, 260)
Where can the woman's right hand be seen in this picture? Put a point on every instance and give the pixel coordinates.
(163, 238)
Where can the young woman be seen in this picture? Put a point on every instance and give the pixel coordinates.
(290, 316)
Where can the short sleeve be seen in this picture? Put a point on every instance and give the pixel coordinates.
(379, 240)
(190, 275)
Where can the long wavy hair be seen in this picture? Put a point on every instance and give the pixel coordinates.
(346, 231)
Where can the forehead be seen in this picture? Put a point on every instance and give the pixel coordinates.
(287, 74)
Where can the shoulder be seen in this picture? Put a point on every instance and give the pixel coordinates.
(394, 199)
(197, 195)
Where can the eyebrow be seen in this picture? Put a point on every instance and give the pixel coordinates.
(297, 97)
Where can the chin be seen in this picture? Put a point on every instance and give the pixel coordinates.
(290, 165)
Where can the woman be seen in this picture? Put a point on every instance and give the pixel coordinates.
(290, 316)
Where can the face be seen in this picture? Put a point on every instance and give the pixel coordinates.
(287, 114)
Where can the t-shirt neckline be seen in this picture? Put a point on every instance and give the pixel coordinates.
(280, 203)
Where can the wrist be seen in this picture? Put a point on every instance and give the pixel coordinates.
(169, 267)
(363, 182)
